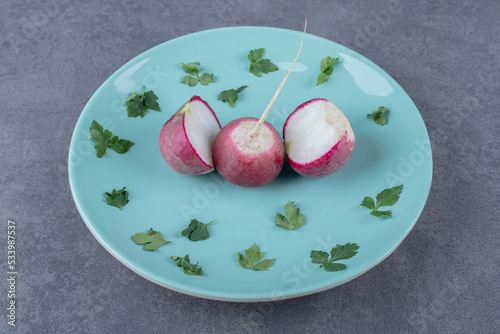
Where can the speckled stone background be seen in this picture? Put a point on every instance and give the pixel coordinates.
(444, 278)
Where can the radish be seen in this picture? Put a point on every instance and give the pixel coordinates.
(248, 151)
(187, 138)
(245, 160)
(318, 138)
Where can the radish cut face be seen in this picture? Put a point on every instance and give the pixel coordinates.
(201, 129)
(187, 138)
(318, 138)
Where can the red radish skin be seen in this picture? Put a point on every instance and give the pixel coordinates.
(236, 163)
(177, 149)
(333, 159)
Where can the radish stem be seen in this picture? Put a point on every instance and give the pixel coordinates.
(262, 119)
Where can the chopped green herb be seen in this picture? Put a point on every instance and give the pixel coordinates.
(138, 105)
(151, 240)
(379, 116)
(339, 252)
(252, 257)
(105, 139)
(196, 230)
(294, 219)
(118, 198)
(258, 65)
(194, 77)
(187, 267)
(386, 197)
(326, 70)
(230, 96)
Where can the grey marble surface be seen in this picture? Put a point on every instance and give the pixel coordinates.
(444, 278)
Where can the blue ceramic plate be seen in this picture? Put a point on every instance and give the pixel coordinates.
(384, 156)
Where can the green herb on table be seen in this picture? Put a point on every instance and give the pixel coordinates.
(187, 267)
(326, 67)
(259, 64)
(379, 116)
(230, 96)
(151, 240)
(339, 252)
(118, 198)
(252, 257)
(196, 230)
(194, 77)
(138, 105)
(294, 219)
(386, 197)
(105, 139)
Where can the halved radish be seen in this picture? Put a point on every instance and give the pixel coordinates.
(318, 138)
(187, 138)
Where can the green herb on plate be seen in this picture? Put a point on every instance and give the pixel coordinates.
(151, 240)
(252, 257)
(118, 198)
(386, 197)
(105, 139)
(294, 219)
(196, 230)
(339, 252)
(326, 69)
(187, 267)
(138, 105)
(259, 64)
(230, 96)
(194, 77)
(379, 116)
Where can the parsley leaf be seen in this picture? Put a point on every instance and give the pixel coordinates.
(258, 65)
(339, 252)
(118, 198)
(368, 202)
(326, 67)
(151, 240)
(193, 76)
(386, 197)
(256, 54)
(189, 80)
(135, 105)
(105, 139)
(319, 256)
(389, 196)
(150, 100)
(294, 219)
(138, 105)
(379, 116)
(252, 257)
(263, 265)
(378, 213)
(230, 96)
(206, 78)
(187, 267)
(120, 146)
(101, 137)
(196, 230)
